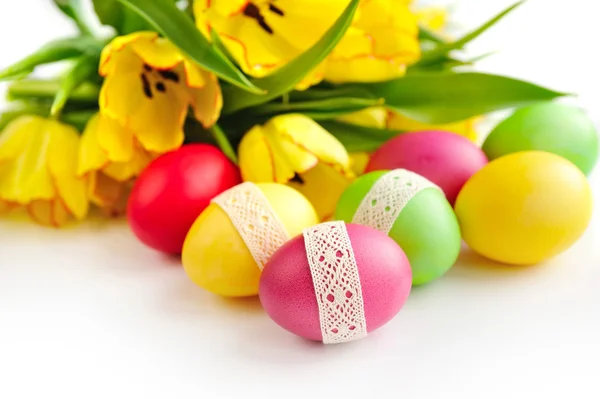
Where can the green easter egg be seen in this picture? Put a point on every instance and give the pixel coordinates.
(426, 227)
(552, 127)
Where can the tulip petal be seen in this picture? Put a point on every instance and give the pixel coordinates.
(103, 190)
(292, 154)
(257, 52)
(207, 101)
(12, 139)
(309, 136)
(466, 128)
(363, 70)
(158, 122)
(48, 213)
(119, 52)
(195, 77)
(123, 171)
(62, 163)
(115, 140)
(256, 158)
(122, 93)
(156, 51)
(91, 157)
(306, 21)
(27, 178)
(6, 207)
(382, 41)
(370, 117)
(359, 162)
(322, 185)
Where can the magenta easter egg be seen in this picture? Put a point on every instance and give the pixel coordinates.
(447, 159)
(336, 282)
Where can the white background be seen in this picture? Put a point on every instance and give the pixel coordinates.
(88, 312)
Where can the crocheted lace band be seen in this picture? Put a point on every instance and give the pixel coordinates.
(254, 219)
(388, 197)
(336, 281)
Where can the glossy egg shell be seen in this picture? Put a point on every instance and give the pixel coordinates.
(426, 229)
(524, 208)
(447, 159)
(173, 190)
(554, 127)
(215, 256)
(288, 296)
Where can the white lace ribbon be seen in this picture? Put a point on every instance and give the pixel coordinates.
(389, 195)
(254, 218)
(336, 281)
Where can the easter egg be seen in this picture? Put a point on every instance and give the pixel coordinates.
(232, 239)
(446, 159)
(335, 283)
(413, 212)
(524, 208)
(173, 190)
(553, 127)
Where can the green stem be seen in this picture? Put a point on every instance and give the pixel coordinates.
(223, 142)
(46, 89)
(83, 69)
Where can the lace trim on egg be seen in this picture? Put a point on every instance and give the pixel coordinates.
(255, 220)
(388, 196)
(336, 281)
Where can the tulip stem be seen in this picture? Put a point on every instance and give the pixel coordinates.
(47, 89)
(223, 142)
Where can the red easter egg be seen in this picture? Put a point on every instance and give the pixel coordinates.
(173, 190)
(447, 159)
(287, 290)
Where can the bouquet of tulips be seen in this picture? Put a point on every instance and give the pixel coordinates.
(297, 92)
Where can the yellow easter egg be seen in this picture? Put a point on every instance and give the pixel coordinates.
(223, 249)
(524, 208)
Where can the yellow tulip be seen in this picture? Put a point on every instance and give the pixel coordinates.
(111, 156)
(359, 162)
(38, 161)
(264, 35)
(111, 148)
(149, 86)
(295, 150)
(369, 117)
(380, 44)
(108, 194)
(433, 17)
(466, 128)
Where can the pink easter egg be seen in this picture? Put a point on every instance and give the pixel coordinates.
(447, 159)
(287, 291)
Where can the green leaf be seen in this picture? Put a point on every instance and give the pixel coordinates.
(450, 97)
(75, 10)
(434, 56)
(337, 105)
(359, 138)
(179, 28)
(288, 76)
(84, 68)
(322, 93)
(57, 50)
(429, 35)
(123, 19)
(444, 64)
